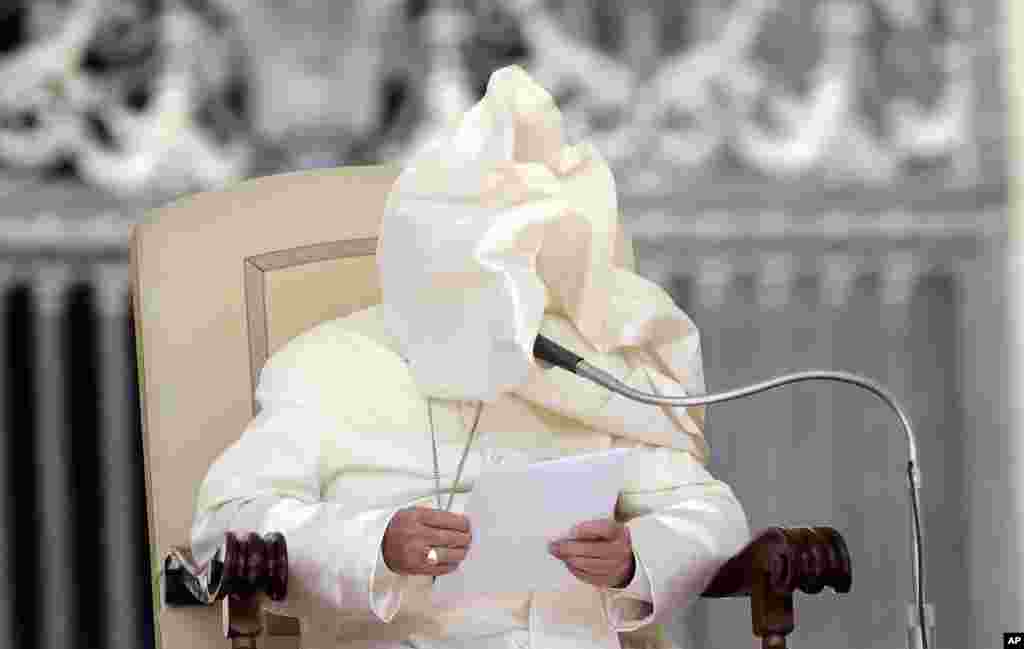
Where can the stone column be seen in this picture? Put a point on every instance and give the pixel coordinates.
(991, 327)
(900, 273)
(58, 611)
(126, 589)
(8, 590)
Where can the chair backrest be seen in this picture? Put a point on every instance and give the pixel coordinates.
(220, 281)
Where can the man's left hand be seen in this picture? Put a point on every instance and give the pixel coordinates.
(598, 552)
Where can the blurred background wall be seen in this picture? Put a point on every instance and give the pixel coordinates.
(819, 183)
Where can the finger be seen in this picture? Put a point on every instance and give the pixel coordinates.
(603, 528)
(603, 549)
(434, 537)
(449, 555)
(438, 570)
(591, 566)
(417, 556)
(594, 580)
(443, 520)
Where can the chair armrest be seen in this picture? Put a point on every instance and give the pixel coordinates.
(244, 565)
(244, 569)
(777, 562)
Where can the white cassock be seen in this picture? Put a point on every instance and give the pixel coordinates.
(342, 438)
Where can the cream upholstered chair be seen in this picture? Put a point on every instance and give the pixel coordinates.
(223, 279)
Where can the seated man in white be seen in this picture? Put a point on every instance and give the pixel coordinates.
(495, 233)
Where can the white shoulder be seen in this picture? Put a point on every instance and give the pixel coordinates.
(344, 356)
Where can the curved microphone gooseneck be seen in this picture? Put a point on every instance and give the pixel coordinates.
(551, 352)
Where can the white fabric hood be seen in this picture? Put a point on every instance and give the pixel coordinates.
(498, 222)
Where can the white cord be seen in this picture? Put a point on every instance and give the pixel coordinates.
(462, 460)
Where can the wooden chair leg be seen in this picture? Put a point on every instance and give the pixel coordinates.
(772, 615)
(248, 627)
(281, 632)
(242, 621)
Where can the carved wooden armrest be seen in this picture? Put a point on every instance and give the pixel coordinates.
(246, 568)
(777, 562)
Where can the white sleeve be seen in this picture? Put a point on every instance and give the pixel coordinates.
(684, 525)
(624, 606)
(317, 579)
(269, 481)
(639, 586)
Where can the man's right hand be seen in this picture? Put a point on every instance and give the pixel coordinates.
(413, 531)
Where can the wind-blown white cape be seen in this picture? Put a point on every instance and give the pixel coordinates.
(342, 438)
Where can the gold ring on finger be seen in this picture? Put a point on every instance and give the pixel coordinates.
(432, 557)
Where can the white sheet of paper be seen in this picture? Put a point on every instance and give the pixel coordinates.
(516, 511)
